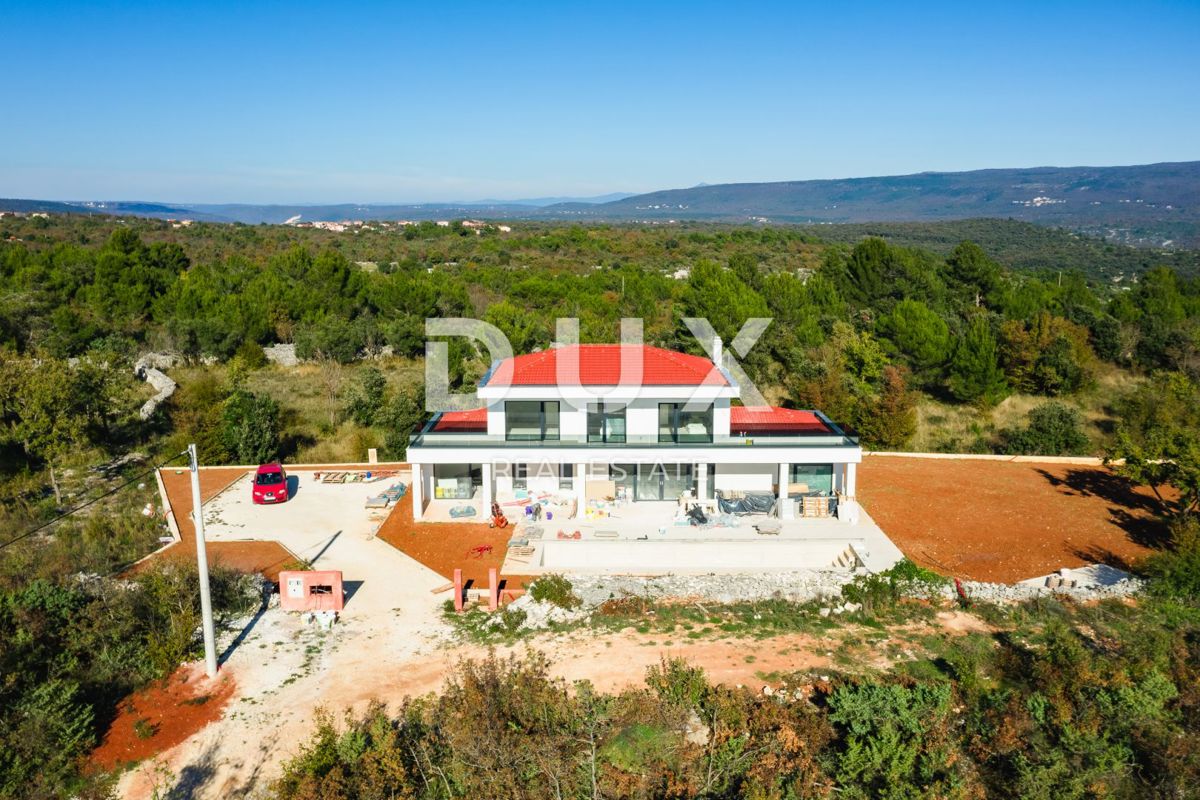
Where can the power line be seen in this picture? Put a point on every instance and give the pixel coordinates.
(91, 502)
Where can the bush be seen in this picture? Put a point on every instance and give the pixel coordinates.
(1175, 573)
(1054, 429)
(250, 427)
(364, 404)
(556, 590)
(885, 589)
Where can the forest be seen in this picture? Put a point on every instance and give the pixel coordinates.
(950, 349)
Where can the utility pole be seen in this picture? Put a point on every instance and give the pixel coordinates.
(206, 615)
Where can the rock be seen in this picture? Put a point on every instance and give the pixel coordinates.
(282, 354)
(696, 731)
(147, 368)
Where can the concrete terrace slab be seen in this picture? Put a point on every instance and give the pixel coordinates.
(642, 539)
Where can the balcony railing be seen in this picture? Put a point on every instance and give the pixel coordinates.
(450, 439)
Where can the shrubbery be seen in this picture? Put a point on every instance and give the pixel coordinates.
(556, 590)
(1054, 429)
(1039, 710)
(72, 647)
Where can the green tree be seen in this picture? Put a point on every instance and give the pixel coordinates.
(1157, 442)
(971, 274)
(975, 373)
(403, 416)
(720, 296)
(919, 334)
(366, 397)
(55, 408)
(889, 420)
(250, 430)
(867, 271)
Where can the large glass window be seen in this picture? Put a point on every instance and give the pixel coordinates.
(811, 479)
(663, 481)
(683, 425)
(531, 420)
(606, 422)
(566, 476)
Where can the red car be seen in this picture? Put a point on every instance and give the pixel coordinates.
(270, 484)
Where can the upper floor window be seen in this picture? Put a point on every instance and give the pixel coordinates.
(606, 422)
(683, 425)
(531, 420)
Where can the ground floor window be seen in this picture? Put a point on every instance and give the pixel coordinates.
(456, 481)
(811, 479)
(566, 475)
(520, 476)
(653, 481)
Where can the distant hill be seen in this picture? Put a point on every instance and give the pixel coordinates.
(1153, 205)
(1019, 245)
(1146, 205)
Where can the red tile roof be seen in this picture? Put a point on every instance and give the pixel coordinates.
(772, 419)
(600, 365)
(473, 421)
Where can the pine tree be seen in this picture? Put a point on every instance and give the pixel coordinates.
(891, 418)
(975, 373)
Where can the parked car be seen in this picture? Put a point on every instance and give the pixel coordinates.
(270, 484)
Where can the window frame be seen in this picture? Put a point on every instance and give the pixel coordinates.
(542, 435)
(672, 434)
(600, 411)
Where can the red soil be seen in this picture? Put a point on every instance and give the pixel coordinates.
(170, 711)
(1007, 521)
(264, 557)
(444, 546)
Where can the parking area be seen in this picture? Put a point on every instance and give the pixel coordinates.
(328, 527)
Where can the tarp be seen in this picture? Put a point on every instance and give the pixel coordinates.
(750, 503)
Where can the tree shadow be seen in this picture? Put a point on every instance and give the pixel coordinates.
(1133, 512)
(1095, 554)
(194, 777)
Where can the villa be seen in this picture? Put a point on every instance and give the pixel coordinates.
(618, 442)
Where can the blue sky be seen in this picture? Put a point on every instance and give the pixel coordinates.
(367, 102)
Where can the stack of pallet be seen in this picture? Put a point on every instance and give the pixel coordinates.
(811, 507)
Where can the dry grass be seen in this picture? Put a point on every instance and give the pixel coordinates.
(942, 427)
(303, 396)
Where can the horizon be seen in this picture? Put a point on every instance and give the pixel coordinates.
(527, 200)
(262, 105)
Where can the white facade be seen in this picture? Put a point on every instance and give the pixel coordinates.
(563, 448)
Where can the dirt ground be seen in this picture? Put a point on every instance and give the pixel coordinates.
(265, 557)
(169, 712)
(445, 546)
(1007, 521)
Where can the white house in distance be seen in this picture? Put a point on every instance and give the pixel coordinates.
(656, 423)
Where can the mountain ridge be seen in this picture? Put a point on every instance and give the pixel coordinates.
(1154, 205)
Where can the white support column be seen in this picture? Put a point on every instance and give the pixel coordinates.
(418, 491)
(785, 503)
(580, 484)
(489, 487)
(702, 481)
(848, 506)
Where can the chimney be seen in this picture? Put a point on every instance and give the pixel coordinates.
(717, 354)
